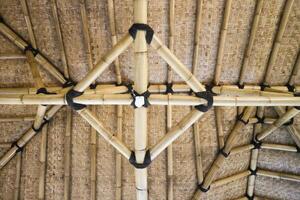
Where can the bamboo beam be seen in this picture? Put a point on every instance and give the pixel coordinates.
(267, 120)
(231, 141)
(28, 23)
(43, 161)
(277, 43)
(219, 126)
(279, 147)
(226, 180)
(175, 132)
(247, 92)
(241, 149)
(17, 119)
(252, 36)
(26, 138)
(279, 122)
(11, 56)
(295, 71)
(222, 41)
(279, 175)
(60, 38)
(224, 88)
(291, 128)
(68, 155)
(18, 176)
(22, 44)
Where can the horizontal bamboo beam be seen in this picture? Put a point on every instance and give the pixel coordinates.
(17, 119)
(279, 175)
(279, 147)
(229, 179)
(12, 56)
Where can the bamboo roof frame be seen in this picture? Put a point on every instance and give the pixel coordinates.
(226, 96)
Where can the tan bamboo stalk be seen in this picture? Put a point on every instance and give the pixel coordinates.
(10, 56)
(67, 155)
(229, 179)
(25, 138)
(254, 155)
(5, 145)
(176, 65)
(252, 36)
(279, 175)
(277, 43)
(254, 120)
(279, 122)
(231, 141)
(17, 119)
(222, 41)
(60, 37)
(175, 132)
(279, 147)
(18, 176)
(93, 138)
(43, 160)
(241, 149)
(248, 92)
(141, 84)
(171, 34)
(28, 23)
(18, 41)
(295, 70)
(113, 140)
(291, 128)
(120, 47)
(219, 126)
(38, 82)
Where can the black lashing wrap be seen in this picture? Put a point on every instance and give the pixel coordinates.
(240, 86)
(71, 94)
(46, 121)
(15, 144)
(202, 189)
(30, 48)
(68, 83)
(260, 120)
(290, 122)
(263, 86)
(208, 96)
(44, 91)
(222, 152)
(145, 164)
(142, 27)
(253, 172)
(134, 94)
(257, 144)
(249, 197)
(291, 88)
(240, 118)
(169, 88)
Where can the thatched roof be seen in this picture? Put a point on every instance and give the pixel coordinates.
(230, 41)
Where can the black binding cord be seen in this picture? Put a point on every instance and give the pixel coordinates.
(68, 83)
(290, 122)
(253, 172)
(298, 149)
(240, 86)
(142, 27)
(263, 86)
(240, 118)
(15, 144)
(169, 88)
(260, 120)
(137, 98)
(223, 153)
(37, 130)
(257, 144)
(71, 94)
(291, 88)
(202, 189)
(208, 96)
(44, 91)
(145, 164)
(249, 197)
(30, 48)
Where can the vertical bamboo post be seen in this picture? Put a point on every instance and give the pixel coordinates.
(276, 45)
(249, 47)
(43, 159)
(141, 84)
(222, 41)
(67, 155)
(18, 176)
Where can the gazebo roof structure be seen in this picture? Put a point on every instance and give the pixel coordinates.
(149, 99)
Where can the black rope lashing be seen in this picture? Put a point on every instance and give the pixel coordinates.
(209, 88)
(290, 122)
(142, 27)
(44, 91)
(240, 118)
(93, 86)
(290, 88)
(145, 164)
(208, 96)
(249, 197)
(1, 19)
(298, 149)
(223, 153)
(202, 189)
(253, 172)
(15, 144)
(264, 86)
(241, 86)
(257, 144)
(37, 130)
(169, 88)
(33, 50)
(71, 94)
(260, 120)
(139, 100)
(68, 83)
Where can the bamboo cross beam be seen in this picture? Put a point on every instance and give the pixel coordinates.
(222, 41)
(277, 42)
(22, 44)
(291, 128)
(279, 147)
(278, 123)
(279, 175)
(12, 56)
(252, 36)
(18, 176)
(247, 92)
(26, 138)
(67, 155)
(231, 141)
(17, 119)
(226, 180)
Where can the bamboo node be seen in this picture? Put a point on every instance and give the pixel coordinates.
(139, 100)
(202, 189)
(145, 164)
(263, 86)
(208, 96)
(142, 27)
(291, 88)
(71, 94)
(15, 144)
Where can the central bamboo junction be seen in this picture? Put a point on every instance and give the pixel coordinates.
(140, 95)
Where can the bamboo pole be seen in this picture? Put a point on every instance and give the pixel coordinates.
(18, 41)
(26, 138)
(176, 65)
(17, 119)
(254, 155)
(219, 126)
(222, 41)
(43, 161)
(255, 120)
(68, 155)
(18, 176)
(141, 84)
(249, 47)
(28, 23)
(248, 92)
(295, 70)
(291, 128)
(279, 147)
(60, 37)
(279, 122)
(277, 43)
(241, 149)
(231, 141)
(279, 175)
(11, 56)
(175, 132)
(226, 180)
